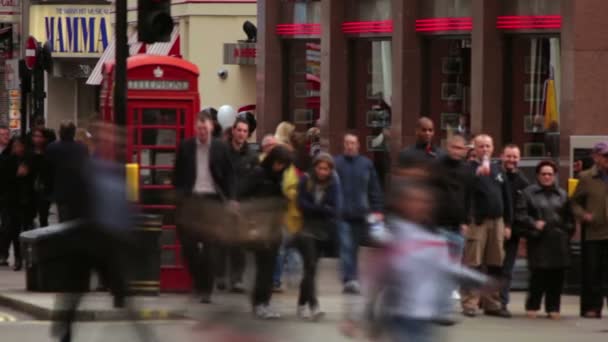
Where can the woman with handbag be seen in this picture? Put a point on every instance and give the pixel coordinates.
(543, 210)
(263, 202)
(319, 200)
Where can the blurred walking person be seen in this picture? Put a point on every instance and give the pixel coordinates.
(5, 151)
(319, 199)
(41, 174)
(544, 211)
(203, 173)
(589, 205)
(20, 196)
(66, 159)
(361, 197)
(410, 278)
(510, 157)
(491, 213)
(263, 191)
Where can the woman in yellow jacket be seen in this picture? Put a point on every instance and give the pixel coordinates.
(292, 222)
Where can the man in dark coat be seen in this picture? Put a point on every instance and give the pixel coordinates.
(5, 151)
(66, 160)
(203, 172)
(518, 182)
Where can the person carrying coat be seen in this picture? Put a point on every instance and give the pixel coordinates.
(543, 210)
(320, 202)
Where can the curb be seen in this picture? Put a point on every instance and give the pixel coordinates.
(43, 313)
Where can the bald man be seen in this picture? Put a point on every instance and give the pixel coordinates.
(491, 213)
(425, 132)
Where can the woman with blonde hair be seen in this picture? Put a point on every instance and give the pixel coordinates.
(284, 133)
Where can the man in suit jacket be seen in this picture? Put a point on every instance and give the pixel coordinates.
(203, 170)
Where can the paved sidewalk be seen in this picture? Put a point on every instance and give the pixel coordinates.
(98, 306)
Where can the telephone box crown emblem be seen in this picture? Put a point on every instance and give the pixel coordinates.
(158, 72)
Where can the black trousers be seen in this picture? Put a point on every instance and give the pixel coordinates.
(511, 249)
(4, 233)
(230, 259)
(18, 220)
(265, 260)
(595, 275)
(199, 257)
(42, 210)
(310, 251)
(548, 283)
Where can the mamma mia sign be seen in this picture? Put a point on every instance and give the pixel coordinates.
(72, 30)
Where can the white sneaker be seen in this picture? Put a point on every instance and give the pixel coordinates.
(316, 314)
(265, 312)
(302, 312)
(352, 287)
(456, 295)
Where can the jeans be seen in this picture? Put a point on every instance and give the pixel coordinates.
(511, 249)
(264, 262)
(595, 276)
(287, 260)
(455, 249)
(349, 238)
(404, 329)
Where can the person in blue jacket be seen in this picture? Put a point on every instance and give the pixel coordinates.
(362, 197)
(319, 199)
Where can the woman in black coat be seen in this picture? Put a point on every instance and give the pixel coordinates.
(543, 211)
(261, 188)
(319, 199)
(20, 196)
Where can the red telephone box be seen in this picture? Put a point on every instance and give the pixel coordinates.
(162, 101)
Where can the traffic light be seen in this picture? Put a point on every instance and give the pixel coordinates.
(154, 22)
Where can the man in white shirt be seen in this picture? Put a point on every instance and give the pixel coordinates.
(203, 170)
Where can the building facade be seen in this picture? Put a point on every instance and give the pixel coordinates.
(524, 71)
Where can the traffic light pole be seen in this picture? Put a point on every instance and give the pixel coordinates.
(120, 68)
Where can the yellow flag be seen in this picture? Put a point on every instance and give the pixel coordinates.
(551, 114)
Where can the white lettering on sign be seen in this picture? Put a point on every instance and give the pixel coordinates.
(30, 53)
(9, 3)
(157, 85)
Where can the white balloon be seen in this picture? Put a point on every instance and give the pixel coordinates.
(226, 116)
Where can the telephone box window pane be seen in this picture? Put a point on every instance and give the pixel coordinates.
(156, 176)
(167, 257)
(167, 237)
(156, 196)
(182, 117)
(161, 116)
(167, 214)
(158, 137)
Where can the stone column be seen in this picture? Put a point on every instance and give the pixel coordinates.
(584, 86)
(487, 71)
(407, 74)
(269, 78)
(334, 75)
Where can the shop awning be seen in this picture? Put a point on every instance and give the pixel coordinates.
(135, 47)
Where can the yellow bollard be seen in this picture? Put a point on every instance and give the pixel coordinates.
(132, 182)
(572, 183)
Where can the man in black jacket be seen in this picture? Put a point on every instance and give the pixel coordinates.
(491, 214)
(517, 182)
(244, 161)
(425, 132)
(203, 170)
(453, 181)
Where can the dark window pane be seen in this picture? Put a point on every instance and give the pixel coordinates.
(159, 117)
(168, 237)
(167, 257)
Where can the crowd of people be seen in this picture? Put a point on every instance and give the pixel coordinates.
(480, 206)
